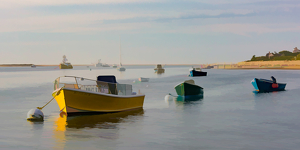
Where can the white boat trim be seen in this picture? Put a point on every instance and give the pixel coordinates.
(104, 94)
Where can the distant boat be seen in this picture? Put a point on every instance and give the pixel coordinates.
(159, 69)
(99, 64)
(144, 79)
(121, 68)
(188, 88)
(208, 67)
(264, 85)
(65, 64)
(105, 65)
(197, 72)
(33, 66)
(114, 66)
(86, 96)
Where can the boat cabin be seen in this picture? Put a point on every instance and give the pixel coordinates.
(196, 69)
(104, 84)
(158, 66)
(110, 79)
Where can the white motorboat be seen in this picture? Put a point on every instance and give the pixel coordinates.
(144, 79)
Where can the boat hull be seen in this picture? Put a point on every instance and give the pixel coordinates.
(186, 89)
(144, 79)
(121, 69)
(63, 66)
(263, 85)
(159, 70)
(98, 65)
(73, 101)
(194, 73)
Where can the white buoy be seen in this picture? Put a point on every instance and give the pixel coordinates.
(35, 115)
(168, 97)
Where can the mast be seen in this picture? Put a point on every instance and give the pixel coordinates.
(120, 51)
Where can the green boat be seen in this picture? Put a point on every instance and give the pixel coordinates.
(188, 88)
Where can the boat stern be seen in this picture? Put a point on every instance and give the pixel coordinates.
(191, 73)
(254, 83)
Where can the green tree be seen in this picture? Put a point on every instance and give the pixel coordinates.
(298, 57)
(253, 58)
(287, 53)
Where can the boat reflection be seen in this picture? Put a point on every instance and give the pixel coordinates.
(160, 71)
(36, 125)
(102, 121)
(260, 92)
(189, 98)
(66, 125)
(184, 100)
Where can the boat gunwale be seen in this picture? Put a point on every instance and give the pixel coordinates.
(100, 112)
(104, 94)
(188, 83)
(266, 80)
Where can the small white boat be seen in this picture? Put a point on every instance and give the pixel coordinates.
(144, 79)
(121, 68)
(99, 64)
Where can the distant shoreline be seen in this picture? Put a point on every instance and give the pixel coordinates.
(28, 65)
(15, 65)
(219, 66)
(262, 68)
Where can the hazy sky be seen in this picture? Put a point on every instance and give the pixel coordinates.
(151, 31)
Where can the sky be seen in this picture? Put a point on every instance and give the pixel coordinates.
(149, 31)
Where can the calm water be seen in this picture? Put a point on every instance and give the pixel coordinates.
(230, 116)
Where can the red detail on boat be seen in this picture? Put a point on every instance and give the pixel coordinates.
(274, 85)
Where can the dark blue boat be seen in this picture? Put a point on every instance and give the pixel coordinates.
(264, 85)
(197, 72)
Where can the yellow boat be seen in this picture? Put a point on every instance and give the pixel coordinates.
(65, 64)
(103, 95)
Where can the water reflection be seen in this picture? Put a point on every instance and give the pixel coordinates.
(101, 121)
(104, 121)
(122, 74)
(70, 127)
(160, 71)
(189, 98)
(184, 100)
(36, 125)
(266, 100)
(259, 92)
